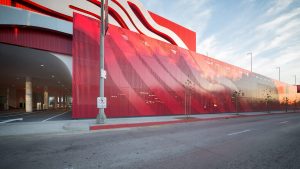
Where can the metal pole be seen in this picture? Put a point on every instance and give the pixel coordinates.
(7, 99)
(185, 100)
(295, 79)
(278, 73)
(190, 103)
(101, 117)
(251, 59)
(236, 110)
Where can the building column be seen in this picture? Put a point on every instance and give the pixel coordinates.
(65, 99)
(60, 101)
(28, 95)
(65, 103)
(7, 99)
(46, 98)
(55, 102)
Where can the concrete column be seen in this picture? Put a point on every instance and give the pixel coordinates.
(67, 102)
(55, 102)
(7, 99)
(46, 98)
(28, 95)
(64, 101)
(38, 101)
(60, 101)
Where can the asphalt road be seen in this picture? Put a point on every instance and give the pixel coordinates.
(36, 116)
(264, 142)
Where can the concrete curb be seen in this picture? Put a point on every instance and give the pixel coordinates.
(147, 124)
(87, 125)
(76, 126)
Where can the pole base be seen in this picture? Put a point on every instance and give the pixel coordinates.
(101, 117)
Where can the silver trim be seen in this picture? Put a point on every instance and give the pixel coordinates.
(15, 16)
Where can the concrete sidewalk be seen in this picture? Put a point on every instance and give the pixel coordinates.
(24, 128)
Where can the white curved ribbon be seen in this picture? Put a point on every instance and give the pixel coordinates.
(123, 16)
(158, 27)
(138, 24)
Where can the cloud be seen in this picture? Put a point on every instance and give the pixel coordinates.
(279, 6)
(208, 45)
(279, 21)
(195, 23)
(228, 31)
(279, 32)
(192, 14)
(274, 41)
(288, 60)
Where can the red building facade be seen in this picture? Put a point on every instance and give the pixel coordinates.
(146, 76)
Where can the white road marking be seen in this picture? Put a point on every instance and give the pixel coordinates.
(240, 132)
(9, 113)
(55, 116)
(12, 115)
(283, 122)
(11, 120)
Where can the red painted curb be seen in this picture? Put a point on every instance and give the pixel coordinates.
(146, 124)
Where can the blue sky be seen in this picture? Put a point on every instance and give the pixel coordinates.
(229, 29)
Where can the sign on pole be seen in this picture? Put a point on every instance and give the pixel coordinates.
(101, 102)
(103, 73)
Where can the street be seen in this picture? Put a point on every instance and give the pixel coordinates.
(35, 116)
(261, 142)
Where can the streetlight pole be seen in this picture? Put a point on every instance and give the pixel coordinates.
(295, 79)
(101, 117)
(251, 59)
(278, 72)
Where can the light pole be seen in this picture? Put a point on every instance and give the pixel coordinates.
(101, 101)
(251, 59)
(278, 73)
(295, 79)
